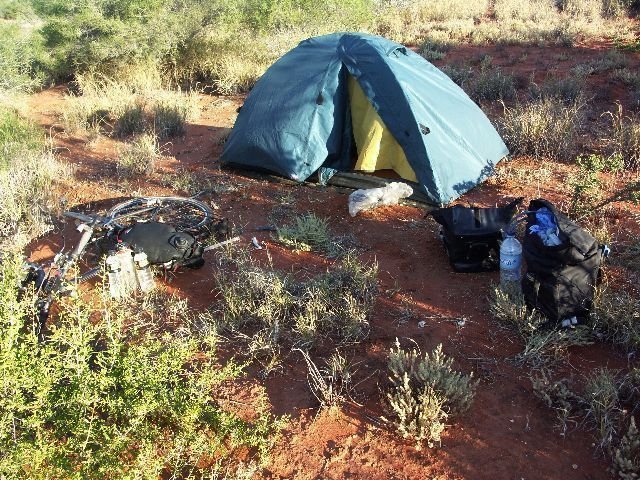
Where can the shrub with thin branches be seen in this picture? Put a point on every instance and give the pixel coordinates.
(131, 121)
(101, 398)
(568, 90)
(332, 383)
(28, 172)
(557, 395)
(542, 343)
(425, 391)
(491, 84)
(129, 107)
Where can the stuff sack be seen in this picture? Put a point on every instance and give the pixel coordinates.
(163, 244)
(369, 198)
(563, 262)
(472, 235)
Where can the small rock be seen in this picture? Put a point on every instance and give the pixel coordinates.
(422, 324)
(575, 466)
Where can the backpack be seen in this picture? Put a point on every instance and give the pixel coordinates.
(560, 279)
(472, 235)
(162, 243)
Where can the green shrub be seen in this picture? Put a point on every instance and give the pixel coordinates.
(434, 50)
(168, 121)
(332, 383)
(558, 396)
(543, 344)
(28, 171)
(21, 57)
(626, 459)
(543, 128)
(130, 122)
(510, 308)
(425, 391)
(585, 184)
(17, 134)
(603, 406)
(459, 74)
(16, 10)
(569, 89)
(603, 409)
(97, 400)
(139, 105)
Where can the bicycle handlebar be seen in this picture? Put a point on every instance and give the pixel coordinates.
(92, 218)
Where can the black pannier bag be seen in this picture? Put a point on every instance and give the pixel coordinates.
(472, 235)
(162, 244)
(560, 279)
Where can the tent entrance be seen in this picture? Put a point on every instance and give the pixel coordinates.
(376, 146)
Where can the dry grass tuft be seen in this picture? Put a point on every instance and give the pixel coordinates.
(125, 109)
(546, 128)
(139, 157)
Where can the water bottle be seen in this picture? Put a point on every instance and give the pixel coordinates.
(127, 268)
(114, 275)
(510, 260)
(143, 272)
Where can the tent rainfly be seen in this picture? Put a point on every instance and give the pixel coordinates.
(348, 101)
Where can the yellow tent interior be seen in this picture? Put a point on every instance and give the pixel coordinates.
(377, 148)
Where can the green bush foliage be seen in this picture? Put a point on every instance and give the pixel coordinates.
(626, 460)
(22, 54)
(307, 232)
(97, 400)
(624, 138)
(586, 185)
(491, 84)
(226, 44)
(131, 107)
(425, 391)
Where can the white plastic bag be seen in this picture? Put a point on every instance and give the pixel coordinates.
(366, 199)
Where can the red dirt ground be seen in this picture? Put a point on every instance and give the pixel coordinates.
(507, 434)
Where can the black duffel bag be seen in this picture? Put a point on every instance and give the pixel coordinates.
(560, 279)
(162, 243)
(472, 235)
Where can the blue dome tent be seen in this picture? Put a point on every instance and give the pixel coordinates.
(335, 91)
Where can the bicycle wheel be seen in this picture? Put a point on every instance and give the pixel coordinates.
(185, 214)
